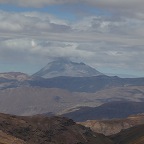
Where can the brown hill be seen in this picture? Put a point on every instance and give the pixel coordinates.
(134, 135)
(44, 130)
(110, 127)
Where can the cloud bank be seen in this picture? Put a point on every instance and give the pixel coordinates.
(113, 41)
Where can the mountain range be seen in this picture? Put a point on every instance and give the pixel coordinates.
(21, 94)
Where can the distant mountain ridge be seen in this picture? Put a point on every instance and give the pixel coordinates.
(14, 76)
(86, 84)
(65, 67)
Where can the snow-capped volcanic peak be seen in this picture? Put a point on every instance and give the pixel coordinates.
(65, 67)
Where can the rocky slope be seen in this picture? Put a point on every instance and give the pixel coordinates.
(44, 130)
(114, 126)
(8, 139)
(134, 135)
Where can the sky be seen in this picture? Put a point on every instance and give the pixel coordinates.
(105, 34)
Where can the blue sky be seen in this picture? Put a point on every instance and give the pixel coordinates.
(106, 34)
(69, 12)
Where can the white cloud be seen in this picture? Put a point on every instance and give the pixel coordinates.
(91, 28)
(30, 23)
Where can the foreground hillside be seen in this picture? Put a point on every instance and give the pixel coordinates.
(114, 126)
(44, 130)
(58, 130)
(8, 139)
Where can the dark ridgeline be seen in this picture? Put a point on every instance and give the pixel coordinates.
(116, 109)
